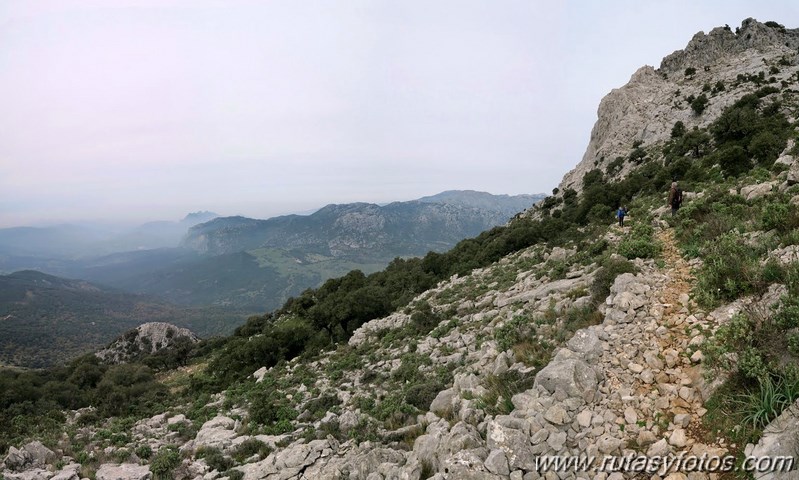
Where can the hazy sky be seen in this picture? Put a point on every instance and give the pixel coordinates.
(149, 109)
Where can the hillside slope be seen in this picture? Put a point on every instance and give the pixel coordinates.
(560, 333)
(47, 320)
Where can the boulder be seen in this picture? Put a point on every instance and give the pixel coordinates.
(515, 444)
(31, 455)
(497, 463)
(70, 472)
(586, 344)
(573, 376)
(780, 438)
(35, 474)
(751, 192)
(15, 459)
(793, 174)
(125, 471)
(442, 404)
(218, 432)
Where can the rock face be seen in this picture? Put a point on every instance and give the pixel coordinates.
(125, 471)
(647, 107)
(145, 339)
(32, 455)
(780, 438)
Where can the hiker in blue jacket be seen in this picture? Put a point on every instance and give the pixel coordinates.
(620, 214)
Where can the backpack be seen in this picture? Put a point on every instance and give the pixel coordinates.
(676, 199)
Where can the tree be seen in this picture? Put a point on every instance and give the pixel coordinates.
(678, 130)
(699, 103)
(696, 141)
(765, 147)
(690, 71)
(733, 160)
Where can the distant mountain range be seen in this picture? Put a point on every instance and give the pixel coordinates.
(257, 264)
(70, 241)
(45, 320)
(363, 231)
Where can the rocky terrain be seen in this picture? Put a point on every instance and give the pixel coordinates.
(647, 107)
(146, 339)
(616, 341)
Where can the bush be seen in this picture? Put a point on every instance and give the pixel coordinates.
(144, 452)
(424, 318)
(250, 447)
(776, 217)
(164, 462)
(730, 270)
(214, 458)
(514, 331)
(699, 104)
(423, 394)
(639, 243)
(678, 130)
(606, 275)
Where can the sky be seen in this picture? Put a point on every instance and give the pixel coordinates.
(135, 110)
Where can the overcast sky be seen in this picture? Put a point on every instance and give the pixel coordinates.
(149, 109)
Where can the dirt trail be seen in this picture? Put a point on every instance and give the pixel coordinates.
(679, 315)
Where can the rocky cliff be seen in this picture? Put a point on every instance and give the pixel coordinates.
(647, 107)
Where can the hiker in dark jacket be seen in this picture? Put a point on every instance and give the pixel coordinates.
(620, 214)
(675, 198)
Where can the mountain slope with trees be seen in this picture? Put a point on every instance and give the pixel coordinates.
(47, 320)
(559, 333)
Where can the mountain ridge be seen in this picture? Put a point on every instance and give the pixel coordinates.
(349, 223)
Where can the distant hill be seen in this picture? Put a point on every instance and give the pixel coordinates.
(364, 231)
(45, 320)
(507, 205)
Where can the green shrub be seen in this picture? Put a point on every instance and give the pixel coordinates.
(606, 275)
(321, 405)
(164, 462)
(423, 394)
(730, 270)
(250, 447)
(514, 331)
(768, 399)
(779, 216)
(235, 475)
(185, 430)
(424, 318)
(144, 452)
(699, 104)
(639, 243)
(215, 459)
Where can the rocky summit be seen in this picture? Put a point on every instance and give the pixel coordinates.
(146, 339)
(562, 335)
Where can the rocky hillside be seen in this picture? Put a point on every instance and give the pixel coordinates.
(721, 65)
(146, 339)
(558, 334)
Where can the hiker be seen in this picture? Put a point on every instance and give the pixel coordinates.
(620, 214)
(675, 198)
